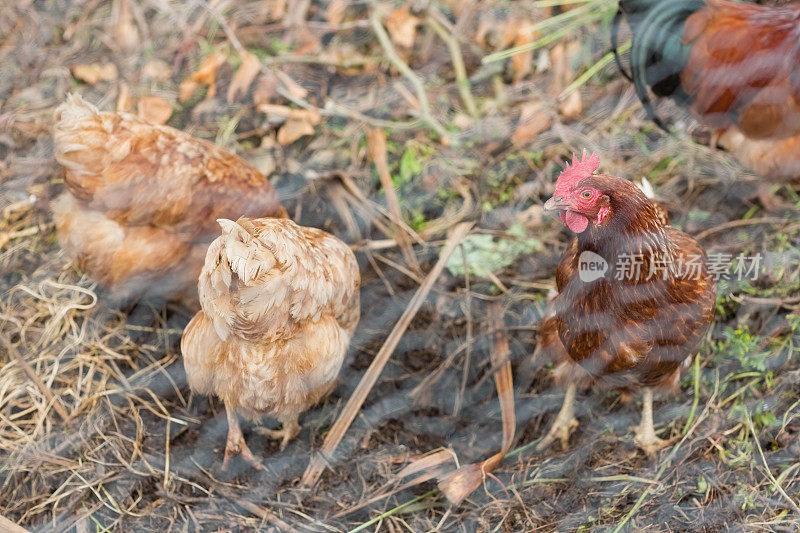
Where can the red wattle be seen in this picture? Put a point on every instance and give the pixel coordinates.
(575, 221)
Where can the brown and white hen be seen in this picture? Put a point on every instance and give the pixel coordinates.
(634, 299)
(280, 303)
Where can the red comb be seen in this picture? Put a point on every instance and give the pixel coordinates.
(579, 171)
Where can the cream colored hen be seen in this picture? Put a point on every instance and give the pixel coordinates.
(280, 303)
(142, 200)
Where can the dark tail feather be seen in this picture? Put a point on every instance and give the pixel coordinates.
(615, 41)
(658, 55)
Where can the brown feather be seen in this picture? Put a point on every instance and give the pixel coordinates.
(279, 305)
(637, 331)
(742, 68)
(152, 194)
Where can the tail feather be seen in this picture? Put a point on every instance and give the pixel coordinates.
(647, 188)
(615, 43)
(81, 145)
(75, 108)
(661, 210)
(658, 53)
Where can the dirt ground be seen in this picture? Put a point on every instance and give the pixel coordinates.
(102, 433)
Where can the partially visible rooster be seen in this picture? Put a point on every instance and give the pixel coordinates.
(279, 305)
(142, 200)
(639, 322)
(735, 65)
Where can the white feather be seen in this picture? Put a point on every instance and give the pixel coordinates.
(647, 188)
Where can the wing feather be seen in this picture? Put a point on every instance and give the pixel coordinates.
(263, 277)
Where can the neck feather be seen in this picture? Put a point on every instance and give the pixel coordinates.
(633, 231)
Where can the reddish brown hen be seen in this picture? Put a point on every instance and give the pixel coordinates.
(634, 296)
(142, 200)
(735, 65)
(279, 305)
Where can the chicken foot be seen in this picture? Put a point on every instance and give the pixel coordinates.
(564, 423)
(289, 430)
(770, 199)
(645, 437)
(236, 444)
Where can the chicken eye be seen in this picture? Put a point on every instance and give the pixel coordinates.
(586, 194)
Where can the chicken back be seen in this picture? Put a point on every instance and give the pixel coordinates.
(280, 303)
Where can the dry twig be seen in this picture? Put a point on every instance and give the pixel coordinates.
(355, 402)
(405, 70)
(10, 527)
(461, 483)
(460, 71)
(29, 370)
(376, 140)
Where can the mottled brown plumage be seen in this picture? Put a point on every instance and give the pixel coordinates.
(280, 303)
(736, 65)
(142, 200)
(641, 323)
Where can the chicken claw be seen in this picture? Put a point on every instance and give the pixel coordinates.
(290, 429)
(564, 424)
(236, 444)
(645, 437)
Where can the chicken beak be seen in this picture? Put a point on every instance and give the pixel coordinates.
(556, 203)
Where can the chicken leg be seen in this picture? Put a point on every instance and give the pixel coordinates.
(564, 423)
(236, 444)
(645, 434)
(289, 430)
(769, 197)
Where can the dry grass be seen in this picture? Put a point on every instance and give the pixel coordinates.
(137, 452)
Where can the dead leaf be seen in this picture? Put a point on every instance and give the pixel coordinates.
(522, 63)
(244, 77)
(187, 89)
(275, 9)
(542, 61)
(335, 12)
(266, 89)
(95, 72)
(154, 109)
(531, 218)
(533, 120)
(458, 7)
(312, 116)
(562, 72)
(572, 107)
(562, 58)
(425, 462)
(295, 89)
(486, 23)
(275, 110)
(126, 33)
(510, 31)
(574, 49)
(293, 129)
(402, 27)
(206, 74)
(305, 42)
(124, 100)
(157, 70)
(263, 159)
(299, 123)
